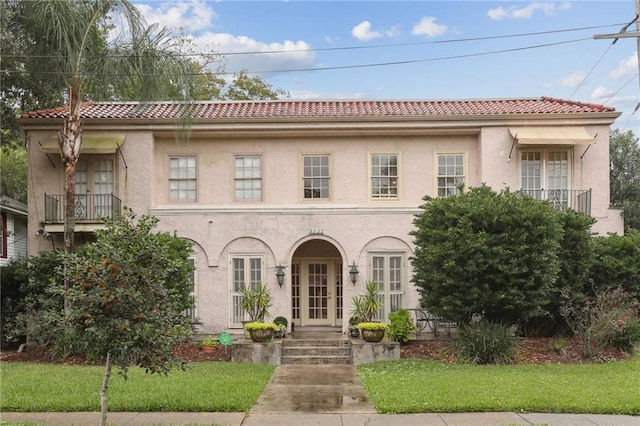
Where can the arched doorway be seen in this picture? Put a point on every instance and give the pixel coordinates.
(316, 275)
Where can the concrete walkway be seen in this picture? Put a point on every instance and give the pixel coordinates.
(319, 395)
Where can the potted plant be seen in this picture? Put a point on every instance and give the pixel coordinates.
(256, 302)
(365, 307)
(209, 344)
(260, 331)
(281, 326)
(372, 331)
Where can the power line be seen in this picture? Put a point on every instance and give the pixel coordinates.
(339, 67)
(333, 49)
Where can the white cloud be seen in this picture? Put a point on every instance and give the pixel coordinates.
(428, 26)
(514, 12)
(363, 31)
(601, 93)
(626, 68)
(191, 15)
(274, 56)
(572, 80)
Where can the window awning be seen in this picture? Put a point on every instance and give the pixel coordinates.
(91, 144)
(551, 136)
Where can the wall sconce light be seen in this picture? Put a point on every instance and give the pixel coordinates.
(353, 273)
(280, 275)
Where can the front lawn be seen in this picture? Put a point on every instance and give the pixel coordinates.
(416, 386)
(208, 386)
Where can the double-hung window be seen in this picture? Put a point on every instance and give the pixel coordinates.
(384, 176)
(451, 174)
(183, 181)
(316, 177)
(387, 273)
(248, 177)
(246, 272)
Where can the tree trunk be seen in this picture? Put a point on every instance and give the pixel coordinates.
(103, 391)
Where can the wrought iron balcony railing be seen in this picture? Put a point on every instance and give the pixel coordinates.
(564, 199)
(88, 207)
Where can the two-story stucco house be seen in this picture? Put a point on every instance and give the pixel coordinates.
(13, 231)
(313, 198)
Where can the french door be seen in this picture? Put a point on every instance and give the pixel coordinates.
(318, 291)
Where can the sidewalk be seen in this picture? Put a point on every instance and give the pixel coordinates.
(322, 419)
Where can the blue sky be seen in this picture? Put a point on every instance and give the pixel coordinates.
(421, 49)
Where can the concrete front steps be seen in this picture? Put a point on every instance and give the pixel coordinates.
(325, 351)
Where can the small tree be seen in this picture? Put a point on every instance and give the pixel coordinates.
(128, 292)
(488, 253)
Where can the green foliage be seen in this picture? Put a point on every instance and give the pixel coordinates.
(36, 302)
(401, 327)
(281, 321)
(624, 158)
(486, 252)
(256, 301)
(13, 172)
(244, 88)
(484, 342)
(616, 263)
(255, 325)
(366, 306)
(209, 341)
(611, 318)
(372, 326)
(127, 293)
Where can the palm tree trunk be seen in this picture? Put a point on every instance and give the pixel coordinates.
(103, 391)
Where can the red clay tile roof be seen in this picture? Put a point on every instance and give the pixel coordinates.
(327, 109)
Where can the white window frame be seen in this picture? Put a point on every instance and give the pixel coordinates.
(183, 177)
(192, 313)
(393, 282)
(237, 315)
(373, 177)
(558, 195)
(326, 177)
(247, 179)
(450, 188)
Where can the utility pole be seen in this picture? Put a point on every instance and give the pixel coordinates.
(624, 34)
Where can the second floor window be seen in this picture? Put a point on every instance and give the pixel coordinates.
(315, 176)
(384, 176)
(450, 174)
(248, 177)
(182, 178)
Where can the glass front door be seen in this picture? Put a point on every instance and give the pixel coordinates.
(320, 291)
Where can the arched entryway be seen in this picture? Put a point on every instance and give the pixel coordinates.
(317, 285)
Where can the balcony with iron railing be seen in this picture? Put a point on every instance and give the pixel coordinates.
(562, 200)
(89, 208)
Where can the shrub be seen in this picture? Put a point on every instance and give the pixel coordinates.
(609, 320)
(401, 327)
(484, 342)
(372, 326)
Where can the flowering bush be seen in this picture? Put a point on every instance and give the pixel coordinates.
(372, 326)
(260, 326)
(610, 320)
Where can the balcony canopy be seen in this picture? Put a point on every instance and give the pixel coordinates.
(91, 144)
(551, 136)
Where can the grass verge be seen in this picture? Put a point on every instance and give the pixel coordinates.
(415, 386)
(207, 386)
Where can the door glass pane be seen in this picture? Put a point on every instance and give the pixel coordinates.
(318, 291)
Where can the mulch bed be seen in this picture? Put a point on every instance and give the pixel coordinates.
(530, 351)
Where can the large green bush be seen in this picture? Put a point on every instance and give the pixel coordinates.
(616, 264)
(486, 252)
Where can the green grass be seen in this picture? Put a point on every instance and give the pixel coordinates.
(414, 386)
(208, 386)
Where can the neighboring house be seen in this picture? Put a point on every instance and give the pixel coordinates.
(13, 219)
(312, 190)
